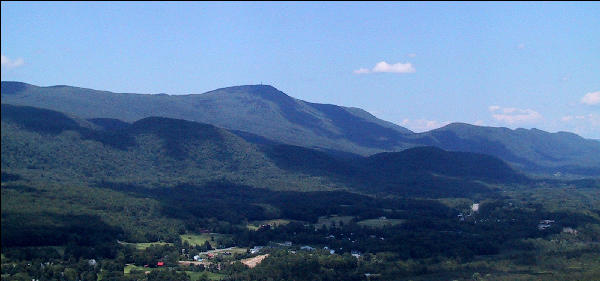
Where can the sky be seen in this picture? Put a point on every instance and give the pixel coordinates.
(420, 65)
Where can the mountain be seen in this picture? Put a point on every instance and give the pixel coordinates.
(258, 109)
(532, 150)
(156, 151)
(262, 114)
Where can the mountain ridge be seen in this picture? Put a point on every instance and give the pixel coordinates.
(271, 115)
(155, 150)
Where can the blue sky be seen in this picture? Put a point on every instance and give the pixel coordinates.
(419, 65)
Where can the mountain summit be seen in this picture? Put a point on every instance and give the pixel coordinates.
(258, 109)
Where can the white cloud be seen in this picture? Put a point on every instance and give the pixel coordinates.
(9, 63)
(383, 66)
(494, 107)
(362, 71)
(592, 98)
(569, 118)
(412, 55)
(422, 125)
(585, 125)
(513, 115)
(394, 68)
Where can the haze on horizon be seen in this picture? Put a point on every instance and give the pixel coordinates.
(419, 65)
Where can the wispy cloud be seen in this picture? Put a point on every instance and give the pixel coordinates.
(362, 71)
(592, 98)
(422, 125)
(583, 124)
(513, 115)
(412, 55)
(9, 63)
(384, 67)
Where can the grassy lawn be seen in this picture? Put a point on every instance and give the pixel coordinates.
(144, 246)
(210, 275)
(337, 219)
(377, 223)
(193, 275)
(129, 267)
(254, 225)
(199, 239)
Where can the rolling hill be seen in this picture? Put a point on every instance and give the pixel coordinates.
(262, 114)
(156, 151)
(532, 150)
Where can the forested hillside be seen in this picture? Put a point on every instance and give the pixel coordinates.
(270, 115)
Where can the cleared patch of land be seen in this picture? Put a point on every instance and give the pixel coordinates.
(200, 239)
(377, 223)
(327, 221)
(144, 246)
(129, 267)
(255, 225)
(254, 261)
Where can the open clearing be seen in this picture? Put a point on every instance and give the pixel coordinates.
(254, 225)
(377, 223)
(333, 219)
(254, 261)
(144, 246)
(199, 239)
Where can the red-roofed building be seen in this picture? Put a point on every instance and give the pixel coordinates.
(160, 263)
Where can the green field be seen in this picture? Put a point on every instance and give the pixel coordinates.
(199, 239)
(377, 223)
(333, 219)
(254, 225)
(192, 274)
(144, 246)
(129, 267)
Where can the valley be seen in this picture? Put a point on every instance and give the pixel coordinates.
(205, 202)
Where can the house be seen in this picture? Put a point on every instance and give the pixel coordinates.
(160, 263)
(307, 248)
(256, 249)
(355, 253)
(197, 258)
(264, 227)
(544, 224)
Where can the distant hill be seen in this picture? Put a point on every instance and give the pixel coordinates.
(262, 114)
(532, 150)
(50, 146)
